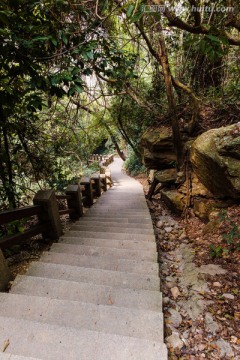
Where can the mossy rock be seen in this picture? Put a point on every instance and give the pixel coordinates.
(204, 207)
(157, 148)
(168, 176)
(215, 156)
(174, 200)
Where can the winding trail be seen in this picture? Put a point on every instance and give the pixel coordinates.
(96, 294)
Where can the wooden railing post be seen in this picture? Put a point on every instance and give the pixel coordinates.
(97, 184)
(103, 181)
(108, 177)
(49, 214)
(88, 190)
(75, 202)
(5, 275)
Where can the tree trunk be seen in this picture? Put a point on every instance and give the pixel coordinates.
(7, 171)
(177, 138)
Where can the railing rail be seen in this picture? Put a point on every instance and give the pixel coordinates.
(18, 214)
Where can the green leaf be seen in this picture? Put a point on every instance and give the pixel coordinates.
(213, 38)
(65, 39)
(90, 55)
(130, 10)
(137, 16)
(4, 17)
(54, 41)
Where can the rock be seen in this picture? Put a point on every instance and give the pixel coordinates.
(225, 348)
(198, 189)
(5, 275)
(217, 284)
(157, 148)
(168, 229)
(166, 300)
(174, 200)
(194, 306)
(167, 176)
(160, 224)
(228, 296)
(204, 207)
(170, 285)
(174, 341)
(211, 269)
(211, 325)
(151, 175)
(215, 156)
(175, 292)
(175, 319)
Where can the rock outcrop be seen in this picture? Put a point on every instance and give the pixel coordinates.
(157, 148)
(215, 156)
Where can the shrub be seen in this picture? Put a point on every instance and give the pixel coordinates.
(133, 164)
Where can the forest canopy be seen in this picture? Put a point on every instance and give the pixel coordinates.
(79, 74)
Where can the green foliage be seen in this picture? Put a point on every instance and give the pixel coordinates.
(133, 164)
(12, 228)
(230, 233)
(88, 170)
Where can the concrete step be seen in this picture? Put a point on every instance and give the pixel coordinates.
(88, 293)
(4, 356)
(115, 224)
(126, 221)
(117, 215)
(106, 319)
(110, 235)
(51, 342)
(126, 210)
(113, 253)
(112, 229)
(126, 206)
(122, 203)
(137, 267)
(119, 244)
(94, 276)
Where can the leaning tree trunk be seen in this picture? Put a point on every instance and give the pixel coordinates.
(177, 138)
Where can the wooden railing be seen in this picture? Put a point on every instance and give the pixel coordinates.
(103, 160)
(46, 208)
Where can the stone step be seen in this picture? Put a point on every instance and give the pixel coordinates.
(110, 235)
(119, 244)
(113, 253)
(106, 319)
(115, 215)
(123, 207)
(121, 203)
(126, 209)
(137, 267)
(5, 356)
(120, 199)
(112, 229)
(135, 222)
(87, 293)
(94, 276)
(53, 342)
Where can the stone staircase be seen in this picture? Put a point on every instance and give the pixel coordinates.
(96, 294)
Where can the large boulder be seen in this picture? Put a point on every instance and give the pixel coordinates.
(215, 156)
(157, 148)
